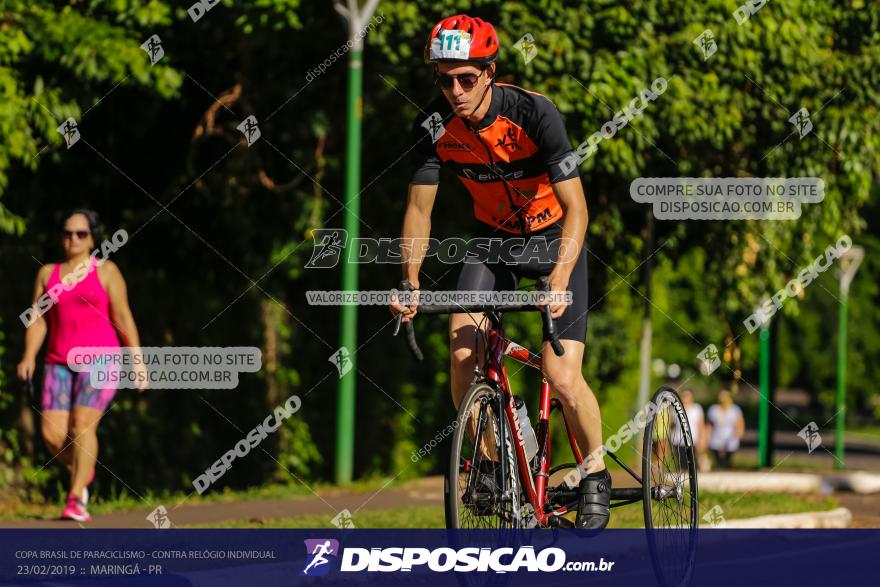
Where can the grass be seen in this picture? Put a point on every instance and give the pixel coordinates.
(797, 463)
(868, 434)
(411, 517)
(734, 506)
(12, 507)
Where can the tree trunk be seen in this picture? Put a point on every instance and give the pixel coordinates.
(271, 317)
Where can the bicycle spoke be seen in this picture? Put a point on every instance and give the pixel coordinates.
(480, 494)
(669, 469)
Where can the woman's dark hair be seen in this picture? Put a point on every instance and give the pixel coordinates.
(95, 226)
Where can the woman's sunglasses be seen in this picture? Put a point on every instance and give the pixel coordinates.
(467, 81)
(80, 234)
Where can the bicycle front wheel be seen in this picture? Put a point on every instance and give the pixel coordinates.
(482, 481)
(669, 484)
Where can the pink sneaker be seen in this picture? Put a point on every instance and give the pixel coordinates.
(75, 510)
(85, 498)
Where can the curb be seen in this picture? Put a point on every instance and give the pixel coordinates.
(732, 482)
(836, 518)
(858, 482)
(758, 481)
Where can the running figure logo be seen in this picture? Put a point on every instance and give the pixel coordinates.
(70, 131)
(159, 518)
(801, 121)
(250, 130)
(715, 517)
(327, 249)
(526, 47)
(706, 43)
(810, 434)
(343, 520)
(342, 361)
(318, 551)
(710, 359)
(434, 125)
(153, 47)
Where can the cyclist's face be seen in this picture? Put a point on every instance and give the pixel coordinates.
(462, 96)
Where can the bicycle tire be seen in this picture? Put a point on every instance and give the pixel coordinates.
(464, 514)
(668, 529)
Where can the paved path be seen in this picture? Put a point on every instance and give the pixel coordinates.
(865, 509)
(427, 491)
(421, 492)
(863, 453)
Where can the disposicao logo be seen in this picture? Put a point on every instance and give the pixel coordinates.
(320, 553)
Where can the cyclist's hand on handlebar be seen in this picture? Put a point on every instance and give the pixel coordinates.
(409, 312)
(558, 286)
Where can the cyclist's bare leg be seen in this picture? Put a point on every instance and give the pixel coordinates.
(578, 401)
(462, 338)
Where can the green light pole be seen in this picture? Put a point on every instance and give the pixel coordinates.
(849, 264)
(357, 19)
(764, 390)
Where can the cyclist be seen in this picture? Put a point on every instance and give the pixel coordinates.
(507, 146)
(89, 314)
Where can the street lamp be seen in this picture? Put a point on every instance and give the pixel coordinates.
(847, 266)
(356, 18)
(764, 391)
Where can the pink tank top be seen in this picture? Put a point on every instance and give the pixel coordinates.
(79, 317)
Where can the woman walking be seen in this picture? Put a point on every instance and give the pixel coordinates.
(89, 306)
(726, 429)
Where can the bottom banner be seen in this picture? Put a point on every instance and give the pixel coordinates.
(716, 557)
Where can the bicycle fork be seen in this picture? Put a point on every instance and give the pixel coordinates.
(542, 462)
(533, 480)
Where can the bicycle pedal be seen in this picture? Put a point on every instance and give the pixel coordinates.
(561, 522)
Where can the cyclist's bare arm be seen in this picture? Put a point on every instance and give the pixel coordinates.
(570, 194)
(416, 230)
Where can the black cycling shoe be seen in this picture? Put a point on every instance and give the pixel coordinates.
(594, 501)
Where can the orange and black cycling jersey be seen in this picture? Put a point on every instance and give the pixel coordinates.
(508, 162)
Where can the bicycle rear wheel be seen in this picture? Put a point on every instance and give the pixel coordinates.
(670, 493)
(482, 482)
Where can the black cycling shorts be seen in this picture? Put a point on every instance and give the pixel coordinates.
(502, 276)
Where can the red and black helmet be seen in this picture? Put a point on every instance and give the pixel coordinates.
(462, 38)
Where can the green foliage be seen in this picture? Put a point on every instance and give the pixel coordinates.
(57, 63)
(237, 228)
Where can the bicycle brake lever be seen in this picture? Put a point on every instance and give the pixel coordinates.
(411, 342)
(405, 285)
(558, 349)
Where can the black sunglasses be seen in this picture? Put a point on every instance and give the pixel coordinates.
(467, 81)
(80, 234)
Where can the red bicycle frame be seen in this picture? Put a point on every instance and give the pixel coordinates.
(534, 484)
